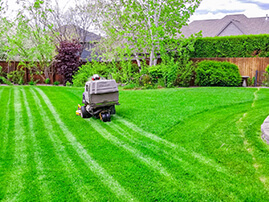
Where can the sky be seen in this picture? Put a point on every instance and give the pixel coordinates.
(210, 9)
(217, 9)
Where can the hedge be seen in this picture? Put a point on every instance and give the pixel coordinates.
(213, 73)
(232, 46)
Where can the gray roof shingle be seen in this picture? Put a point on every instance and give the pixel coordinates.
(227, 26)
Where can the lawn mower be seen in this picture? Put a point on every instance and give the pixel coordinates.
(100, 97)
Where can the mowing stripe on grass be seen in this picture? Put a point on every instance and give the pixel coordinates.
(247, 145)
(6, 124)
(255, 98)
(171, 155)
(155, 165)
(16, 182)
(107, 179)
(168, 155)
(146, 134)
(37, 156)
(60, 150)
(157, 139)
(154, 148)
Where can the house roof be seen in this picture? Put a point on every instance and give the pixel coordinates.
(86, 56)
(227, 26)
(79, 33)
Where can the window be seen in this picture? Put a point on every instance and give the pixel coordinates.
(87, 88)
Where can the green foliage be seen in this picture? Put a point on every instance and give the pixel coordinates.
(169, 74)
(265, 81)
(47, 81)
(176, 66)
(68, 84)
(232, 46)
(56, 83)
(90, 68)
(213, 73)
(150, 29)
(267, 69)
(3, 78)
(31, 42)
(131, 86)
(17, 76)
(251, 81)
(156, 73)
(32, 82)
(126, 72)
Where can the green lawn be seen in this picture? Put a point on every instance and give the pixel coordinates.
(187, 144)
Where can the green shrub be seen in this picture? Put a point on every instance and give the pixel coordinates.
(172, 73)
(32, 82)
(86, 71)
(213, 73)
(3, 77)
(156, 73)
(251, 81)
(68, 83)
(265, 81)
(4, 80)
(144, 80)
(47, 81)
(232, 46)
(126, 72)
(17, 77)
(267, 69)
(130, 86)
(56, 83)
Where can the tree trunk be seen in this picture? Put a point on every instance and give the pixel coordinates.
(155, 62)
(138, 62)
(46, 72)
(151, 59)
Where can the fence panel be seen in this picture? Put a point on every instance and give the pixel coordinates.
(247, 67)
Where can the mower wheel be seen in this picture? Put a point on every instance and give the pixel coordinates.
(108, 117)
(84, 113)
(112, 109)
(103, 117)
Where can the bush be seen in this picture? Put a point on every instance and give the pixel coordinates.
(3, 77)
(47, 81)
(68, 84)
(4, 80)
(32, 82)
(17, 77)
(169, 74)
(67, 60)
(267, 69)
(251, 81)
(173, 73)
(232, 46)
(213, 73)
(131, 86)
(86, 71)
(56, 83)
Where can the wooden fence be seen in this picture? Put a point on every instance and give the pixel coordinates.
(247, 66)
(12, 66)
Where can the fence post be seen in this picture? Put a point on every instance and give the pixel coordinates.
(256, 78)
